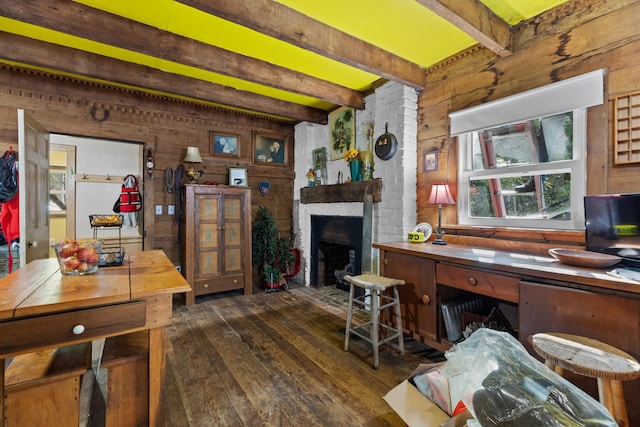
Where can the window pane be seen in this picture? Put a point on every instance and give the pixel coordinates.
(541, 140)
(535, 197)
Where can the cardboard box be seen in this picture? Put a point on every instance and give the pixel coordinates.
(417, 410)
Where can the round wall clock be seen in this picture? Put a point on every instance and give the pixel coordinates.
(386, 144)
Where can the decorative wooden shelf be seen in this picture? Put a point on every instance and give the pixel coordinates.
(347, 192)
(627, 129)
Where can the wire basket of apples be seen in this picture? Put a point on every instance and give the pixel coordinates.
(77, 258)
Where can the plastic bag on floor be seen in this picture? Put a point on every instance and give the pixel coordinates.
(503, 385)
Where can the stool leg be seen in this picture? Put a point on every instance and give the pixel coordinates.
(347, 330)
(375, 312)
(606, 395)
(396, 307)
(619, 405)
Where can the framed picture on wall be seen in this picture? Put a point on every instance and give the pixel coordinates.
(237, 176)
(342, 131)
(224, 144)
(430, 161)
(319, 158)
(270, 149)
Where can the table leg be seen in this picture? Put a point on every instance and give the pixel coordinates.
(2, 362)
(157, 366)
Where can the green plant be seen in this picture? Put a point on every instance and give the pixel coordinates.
(272, 254)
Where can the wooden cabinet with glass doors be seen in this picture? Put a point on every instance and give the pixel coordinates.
(216, 252)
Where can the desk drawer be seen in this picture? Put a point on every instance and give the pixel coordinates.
(55, 330)
(505, 288)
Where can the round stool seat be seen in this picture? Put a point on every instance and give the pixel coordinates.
(586, 356)
(373, 281)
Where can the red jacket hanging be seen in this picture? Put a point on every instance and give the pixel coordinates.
(130, 197)
(10, 223)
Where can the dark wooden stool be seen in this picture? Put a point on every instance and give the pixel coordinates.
(376, 285)
(591, 358)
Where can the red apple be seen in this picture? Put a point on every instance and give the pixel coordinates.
(71, 263)
(68, 249)
(86, 254)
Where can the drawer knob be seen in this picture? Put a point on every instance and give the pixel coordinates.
(235, 281)
(426, 299)
(206, 285)
(78, 330)
(472, 281)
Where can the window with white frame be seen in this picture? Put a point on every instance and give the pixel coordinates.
(523, 158)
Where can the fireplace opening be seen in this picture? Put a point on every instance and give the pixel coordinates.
(336, 249)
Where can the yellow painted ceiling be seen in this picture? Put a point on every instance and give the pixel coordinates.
(402, 27)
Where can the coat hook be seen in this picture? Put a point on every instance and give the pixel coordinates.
(108, 177)
(84, 176)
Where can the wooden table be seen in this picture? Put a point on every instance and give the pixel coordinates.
(40, 308)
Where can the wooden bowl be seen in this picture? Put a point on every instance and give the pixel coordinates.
(584, 258)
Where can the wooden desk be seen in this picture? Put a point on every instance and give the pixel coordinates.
(40, 308)
(543, 294)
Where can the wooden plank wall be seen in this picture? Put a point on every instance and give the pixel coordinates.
(167, 127)
(575, 38)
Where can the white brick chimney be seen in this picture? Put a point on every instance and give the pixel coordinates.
(395, 215)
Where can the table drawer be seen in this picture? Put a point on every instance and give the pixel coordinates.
(498, 286)
(220, 284)
(56, 330)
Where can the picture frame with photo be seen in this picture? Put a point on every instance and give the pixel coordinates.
(224, 144)
(319, 156)
(430, 161)
(237, 177)
(270, 149)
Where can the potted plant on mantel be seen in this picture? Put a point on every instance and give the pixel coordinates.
(272, 254)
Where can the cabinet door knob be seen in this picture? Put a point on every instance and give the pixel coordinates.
(426, 299)
(206, 285)
(472, 281)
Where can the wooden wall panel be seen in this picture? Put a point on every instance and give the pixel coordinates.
(64, 106)
(579, 37)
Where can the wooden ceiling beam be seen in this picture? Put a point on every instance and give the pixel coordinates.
(477, 20)
(281, 22)
(92, 24)
(84, 65)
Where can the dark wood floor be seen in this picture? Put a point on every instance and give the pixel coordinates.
(270, 359)
(277, 359)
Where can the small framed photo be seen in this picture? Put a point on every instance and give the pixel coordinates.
(237, 177)
(224, 144)
(431, 161)
(319, 158)
(269, 149)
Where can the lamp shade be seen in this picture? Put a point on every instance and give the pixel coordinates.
(441, 195)
(193, 155)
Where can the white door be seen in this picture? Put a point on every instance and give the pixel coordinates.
(33, 188)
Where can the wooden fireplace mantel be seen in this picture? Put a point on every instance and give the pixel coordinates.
(347, 192)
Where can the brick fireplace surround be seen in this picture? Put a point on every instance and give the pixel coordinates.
(395, 215)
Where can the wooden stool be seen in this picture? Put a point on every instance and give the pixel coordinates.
(43, 388)
(375, 284)
(594, 359)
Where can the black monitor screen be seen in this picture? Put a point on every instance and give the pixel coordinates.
(613, 224)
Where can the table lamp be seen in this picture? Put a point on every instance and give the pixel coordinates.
(440, 195)
(193, 156)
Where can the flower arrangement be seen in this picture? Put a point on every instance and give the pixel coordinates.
(351, 155)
